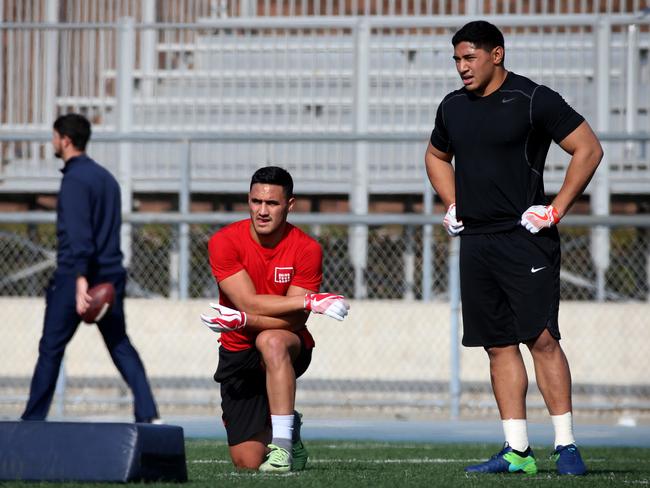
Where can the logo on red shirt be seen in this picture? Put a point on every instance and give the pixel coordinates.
(283, 274)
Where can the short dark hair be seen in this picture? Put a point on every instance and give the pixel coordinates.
(482, 34)
(274, 175)
(76, 127)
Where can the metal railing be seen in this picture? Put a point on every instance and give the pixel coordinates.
(191, 177)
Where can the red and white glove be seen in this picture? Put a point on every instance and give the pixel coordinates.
(227, 320)
(329, 304)
(539, 217)
(453, 226)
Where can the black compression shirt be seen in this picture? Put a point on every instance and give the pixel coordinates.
(500, 143)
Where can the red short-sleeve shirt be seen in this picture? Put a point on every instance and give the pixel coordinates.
(296, 260)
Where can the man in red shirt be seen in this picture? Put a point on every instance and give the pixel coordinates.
(269, 273)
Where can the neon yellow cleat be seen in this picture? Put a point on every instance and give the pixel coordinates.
(278, 460)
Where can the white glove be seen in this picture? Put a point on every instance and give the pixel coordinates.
(453, 226)
(539, 217)
(227, 320)
(330, 304)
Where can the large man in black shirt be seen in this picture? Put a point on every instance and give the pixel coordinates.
(498, 128)
(88, 252)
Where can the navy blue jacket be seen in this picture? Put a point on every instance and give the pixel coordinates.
(88, 221)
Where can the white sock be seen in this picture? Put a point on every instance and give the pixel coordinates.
(282, 430)
(563, 425)
(516, 432)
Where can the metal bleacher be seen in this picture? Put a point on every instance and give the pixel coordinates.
(294, 94)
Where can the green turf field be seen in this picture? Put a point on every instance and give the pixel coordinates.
(356, 464)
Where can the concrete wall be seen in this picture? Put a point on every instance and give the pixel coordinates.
(380, 340)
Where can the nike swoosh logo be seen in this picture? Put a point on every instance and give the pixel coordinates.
(508, 100)
(535, 270)
(317, 302)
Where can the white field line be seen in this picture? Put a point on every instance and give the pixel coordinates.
(251, 474)
(352, 460)
(399, 461)
(254, 474)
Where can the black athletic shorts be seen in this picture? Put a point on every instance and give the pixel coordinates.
(244, 402)
(510, 286)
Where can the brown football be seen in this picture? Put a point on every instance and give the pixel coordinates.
(102, 295)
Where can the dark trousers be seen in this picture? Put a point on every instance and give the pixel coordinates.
(61, 322)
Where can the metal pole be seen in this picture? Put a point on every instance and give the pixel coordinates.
(632, 153)
(4, 118)
(125, 66)
(600, 194)
(359, 195)
(223, 8)
(49, 113)
(409, 263)
(148, 56)
(427, 245)
(174, 268)
(631, 92)
(59, 391)
(248, 8)
(184, 227)
(51, 64)
(454, 328)
(474, 7)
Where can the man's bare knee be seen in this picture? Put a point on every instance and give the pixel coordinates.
(246, 463)
(544, 344)
(272, 341)
(501, 352)
(277, 347)
(273, 348)
(250, 454)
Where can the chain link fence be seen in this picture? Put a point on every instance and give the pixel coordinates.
(394, 351)
(394, 271)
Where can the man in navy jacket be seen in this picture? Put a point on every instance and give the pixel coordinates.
(88, 252)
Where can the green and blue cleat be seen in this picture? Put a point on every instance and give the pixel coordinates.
(568, 460)
(506, 461)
